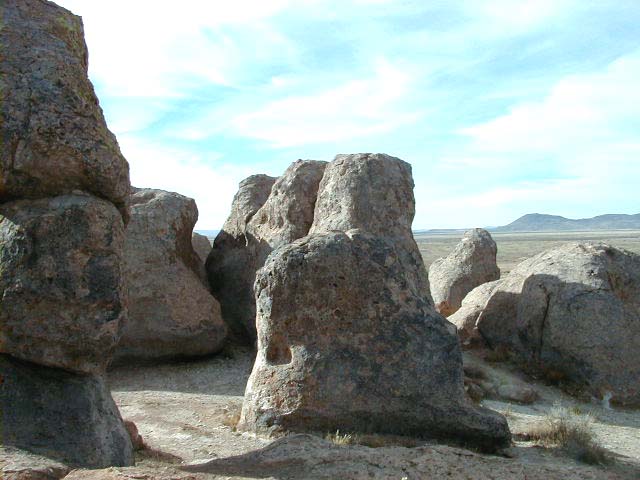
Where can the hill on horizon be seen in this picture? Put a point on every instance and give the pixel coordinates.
(538, 222)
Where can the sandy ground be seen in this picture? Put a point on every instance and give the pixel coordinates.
(186, 411)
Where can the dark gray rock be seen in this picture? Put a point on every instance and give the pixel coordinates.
(62, 297)
(241, 248)
(64, 416)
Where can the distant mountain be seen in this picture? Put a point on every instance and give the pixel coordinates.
(537, 222)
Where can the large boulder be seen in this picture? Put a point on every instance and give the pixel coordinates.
(171, 313)
(347, 337)
(250, 235)
(62, 298)
(472, 263)
(574, 313)
(81, 426)
(54, 138)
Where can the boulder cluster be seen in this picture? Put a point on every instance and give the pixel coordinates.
(317, 268)
(571, 313)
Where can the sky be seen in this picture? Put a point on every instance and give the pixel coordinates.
(502, 107)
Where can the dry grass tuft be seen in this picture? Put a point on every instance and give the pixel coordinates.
(231, 417)
(573, 433)
(342, 438)
(372, 440)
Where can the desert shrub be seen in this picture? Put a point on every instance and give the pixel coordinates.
(231, 417)
(342, 438)
(573, 433)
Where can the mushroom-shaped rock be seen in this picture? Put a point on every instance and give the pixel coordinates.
(171, 313)
(62, 298)
(250, 234)
(54, 136)
(347, 338)
(472, 263)
(574, 312)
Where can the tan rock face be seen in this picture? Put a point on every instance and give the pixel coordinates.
(472, 263)
(573, 312)
(467, 315)
(312, 458)
(250, 234)
(372, 192)
(347, 338)
(171, 313)
(62, 298)
(201, 245)
(54, 136)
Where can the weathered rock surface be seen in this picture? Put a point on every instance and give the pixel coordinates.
(62, 298)
(472, 263)
(311, 458)
(347, 337)
(372, 192)
(250, 235)
(171, 313)
(483, 381)
(201, 245)
(54, 139)
(82, 425)
(574, 312)
(16, 464)
(467, 315)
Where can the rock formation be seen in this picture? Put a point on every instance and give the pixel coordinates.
(62, 296)
(60, 414)
(574, 313)
(253, 230)
(201, 245)
(466, 317)
(54, 137)
(472, 263)
(63, 299)
(347, 336)
(171, 313)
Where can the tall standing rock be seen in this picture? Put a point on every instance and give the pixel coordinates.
(472, 263)
(54, 137)
(62, 297)
(347, 336)
(171, 313)
(574, 312)
(251, 234)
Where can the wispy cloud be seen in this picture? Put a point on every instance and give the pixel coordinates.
(502, 107)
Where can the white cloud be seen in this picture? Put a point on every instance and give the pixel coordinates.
(580, 111)
(356, 108)
(205, 178)
(152, 48)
